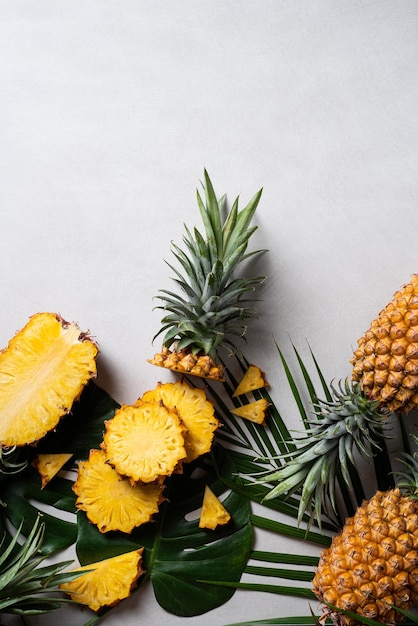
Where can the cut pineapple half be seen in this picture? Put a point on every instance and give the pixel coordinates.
(254, 411)
(195, 411)
(213, 511)
(107, 582)
(42, 372)
(109, 500)
(144, 442)
(253, 379)
(48, 465)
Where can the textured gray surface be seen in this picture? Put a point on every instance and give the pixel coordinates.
(109, 112)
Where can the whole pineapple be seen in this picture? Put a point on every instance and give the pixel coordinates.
(386, 360)
(371, 567)
(214, 308)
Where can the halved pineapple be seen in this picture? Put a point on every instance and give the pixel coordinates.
(49, 464)
(213, 511)
(144, 442)
(109, 500)
(253, 379)
(108, 581)
(253, 411)
(42, 372)
(195, 411)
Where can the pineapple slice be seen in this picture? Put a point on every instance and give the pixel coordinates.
(253, 379)
(48, 465)
(106, 582)
(144, 442)
(42, 372)
(109, 500)
(213, 512)
(254, 411)
(195, 411)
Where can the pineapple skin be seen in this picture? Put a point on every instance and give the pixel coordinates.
(373, 562)
(184, 362)
(386, 359)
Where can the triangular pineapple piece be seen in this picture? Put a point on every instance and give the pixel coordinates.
(253, 379)
(144, 442)
(48, 465)
(213, 512)
(42, 372)
(106, 582)
(109, 500)
(195, 411)
(254, 411)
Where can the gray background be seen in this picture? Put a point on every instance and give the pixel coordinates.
(110, 110)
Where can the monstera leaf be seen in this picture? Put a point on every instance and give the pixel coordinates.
(21, 493)
(178, 555)
(181, 560)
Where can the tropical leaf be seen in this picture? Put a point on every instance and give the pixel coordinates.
(178, 554)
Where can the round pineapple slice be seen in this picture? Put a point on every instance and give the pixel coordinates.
(42, 372)
(144, 442)
(195, 411)
(107, 582)
(109, 500)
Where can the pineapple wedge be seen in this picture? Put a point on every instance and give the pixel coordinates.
(213, 511)
(42, 372)
(254, 411)
(48, 465)
(106, 582)
(253, 379)
(109, 500)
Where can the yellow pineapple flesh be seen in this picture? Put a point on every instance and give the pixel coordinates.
(386, 359)
(372, 565)
(184, 362)
(144, 442)
(195, 411)
(213, 512)
(253, 411)
(109, 500)
(49, 464)
(42, 372)
(253, 379)
(106, 582)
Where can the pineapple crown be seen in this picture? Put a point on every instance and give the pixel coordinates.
(407, 478)
(214, 305)
(348, 421)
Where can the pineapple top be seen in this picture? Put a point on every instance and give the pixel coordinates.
(214, 303)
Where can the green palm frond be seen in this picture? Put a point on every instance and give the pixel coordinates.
(11, 461)
(345, 419)
(26, 588)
